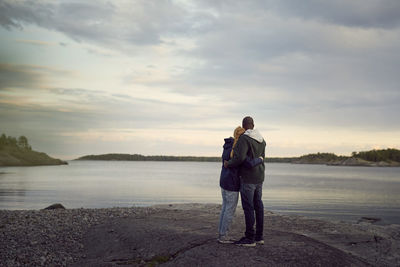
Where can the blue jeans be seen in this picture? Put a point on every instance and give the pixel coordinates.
(229, 203)
(252, 204)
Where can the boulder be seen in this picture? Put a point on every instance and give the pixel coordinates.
(55, 206)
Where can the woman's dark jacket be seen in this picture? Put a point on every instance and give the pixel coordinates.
(229, 179)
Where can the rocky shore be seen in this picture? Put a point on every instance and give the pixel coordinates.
(361, 162)
(348, 162)
(185, 235)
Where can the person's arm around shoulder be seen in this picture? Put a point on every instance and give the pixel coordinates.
(250, 163)
(263, 153)
(239, 155)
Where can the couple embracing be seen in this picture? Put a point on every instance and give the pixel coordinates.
(243, 170)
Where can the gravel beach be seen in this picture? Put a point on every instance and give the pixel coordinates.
(185, 234)
(49, 237)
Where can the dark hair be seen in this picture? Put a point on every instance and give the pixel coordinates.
(248, 122)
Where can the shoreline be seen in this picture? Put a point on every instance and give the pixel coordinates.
(346, 163)
(310, 214)
(185, 234)
(373, 158)
(326, 163)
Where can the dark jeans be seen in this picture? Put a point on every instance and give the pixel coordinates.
(252, 204)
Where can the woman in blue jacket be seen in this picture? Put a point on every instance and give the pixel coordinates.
(230, 185)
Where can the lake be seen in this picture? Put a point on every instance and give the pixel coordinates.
(331, 192)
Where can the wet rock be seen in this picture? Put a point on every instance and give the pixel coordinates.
(184, 235)
(55, 206)
(369, 219)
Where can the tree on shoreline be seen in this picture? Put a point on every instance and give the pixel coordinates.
(21, 143)
(389, 154)
(18, 152)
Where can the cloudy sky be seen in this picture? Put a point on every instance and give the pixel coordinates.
(176, 77)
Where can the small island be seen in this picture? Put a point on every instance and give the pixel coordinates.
(18, 152)
(374, 158)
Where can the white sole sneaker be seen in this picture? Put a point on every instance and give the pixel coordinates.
(222, 241)
(246, 245)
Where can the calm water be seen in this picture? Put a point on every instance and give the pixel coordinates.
(345, 193)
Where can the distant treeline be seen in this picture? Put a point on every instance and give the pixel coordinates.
(9, 141)
(18, 152)
(280, 160)
(388, 155)
(138, 157)
(312, 158)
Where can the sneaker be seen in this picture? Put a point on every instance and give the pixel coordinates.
(225, 240)
(245, 242)
(259, 241)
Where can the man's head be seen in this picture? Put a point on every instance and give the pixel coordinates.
(248, 123)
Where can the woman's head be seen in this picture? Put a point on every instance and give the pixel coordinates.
(238, 132)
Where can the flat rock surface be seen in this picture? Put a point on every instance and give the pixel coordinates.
(185, 235)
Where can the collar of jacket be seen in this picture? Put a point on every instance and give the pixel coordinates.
(254, 134)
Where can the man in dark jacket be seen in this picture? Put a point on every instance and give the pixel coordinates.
(250, 144)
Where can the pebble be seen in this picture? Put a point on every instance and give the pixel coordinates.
(49, 237)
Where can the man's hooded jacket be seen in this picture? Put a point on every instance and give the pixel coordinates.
(250, 144)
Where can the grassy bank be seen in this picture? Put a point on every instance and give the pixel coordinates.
(18, 152)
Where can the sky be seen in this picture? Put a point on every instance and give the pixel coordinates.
(176, 77)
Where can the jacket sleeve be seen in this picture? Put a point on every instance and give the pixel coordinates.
(250, 163)
(263, 153)
(240, 153)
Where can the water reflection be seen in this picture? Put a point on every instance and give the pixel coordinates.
(8, 192)
(314, 190)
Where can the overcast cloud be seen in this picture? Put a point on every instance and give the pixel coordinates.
(159, 77)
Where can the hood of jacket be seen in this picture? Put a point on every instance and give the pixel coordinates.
(228, 142)
(254, 134)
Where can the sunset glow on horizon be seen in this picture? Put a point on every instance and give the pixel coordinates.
(176, 77)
